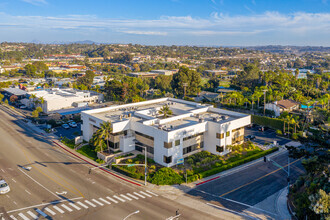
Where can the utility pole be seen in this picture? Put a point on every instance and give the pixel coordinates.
(184, 89)
(265, 90)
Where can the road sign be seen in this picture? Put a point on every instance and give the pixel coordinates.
(180, 161)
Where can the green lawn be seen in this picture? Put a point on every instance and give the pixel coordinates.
(89, 152)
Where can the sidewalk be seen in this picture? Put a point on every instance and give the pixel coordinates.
(281, 204)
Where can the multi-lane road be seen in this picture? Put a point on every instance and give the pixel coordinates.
(48, 183)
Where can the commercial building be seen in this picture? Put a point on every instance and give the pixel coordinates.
(56, 99)
(191, 128)
(153, 73)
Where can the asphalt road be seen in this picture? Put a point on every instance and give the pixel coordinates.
(248, 187)
(58, 186)
(267, 136)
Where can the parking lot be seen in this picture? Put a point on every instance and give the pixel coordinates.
(267, 136)
(69, 133)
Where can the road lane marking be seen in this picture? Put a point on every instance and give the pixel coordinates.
(13, 180)
(41, 213)
(151, 193)
(39, 184)
(139, 195)
(67, 208)
(15, 202)
(134, 197)
(89, 203)
(145, 194)
(105, 201)
(50, 211)
(120, 199)
(83, 205)
(3, 170)
(58, 209)
(74, 206)
(12, 217)
(258, 179)
(8, 196)
(23, 216)
(28, 192)
(229, 210)
(44, 204)
(97, 202)
(111, 199)
(125, 197)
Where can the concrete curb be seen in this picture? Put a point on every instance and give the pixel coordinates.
(281, 204)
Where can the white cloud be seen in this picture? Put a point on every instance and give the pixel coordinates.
(145, 32)
(35, 2)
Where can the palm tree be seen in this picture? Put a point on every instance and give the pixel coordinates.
(104, 132)
(98, 141)
(289, 121)
(295, 122)
(165, 110)
(258, 94)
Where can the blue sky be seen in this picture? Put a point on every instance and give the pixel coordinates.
(167, 22)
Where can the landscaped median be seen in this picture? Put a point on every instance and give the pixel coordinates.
(197, 166)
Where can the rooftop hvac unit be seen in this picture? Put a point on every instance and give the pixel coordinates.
(201, 120)
(121, 117)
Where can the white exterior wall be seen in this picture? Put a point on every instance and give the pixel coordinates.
(273, 107)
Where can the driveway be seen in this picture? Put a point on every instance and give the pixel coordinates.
(69, 133)
(267, 136)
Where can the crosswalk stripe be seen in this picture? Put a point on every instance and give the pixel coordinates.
(146, 194)
(83, 205)
(89, 203)
(134, 197)
(23, 216)
(50, 211)
(32, 215)
(125, 197)
(97, 202)
(105, 201)
(67, 208)
(12, 217)
(120, 199)
(111, 199)
(41, 213)
(151, 193)
(139, 195)
(58, 209)
(74, 206)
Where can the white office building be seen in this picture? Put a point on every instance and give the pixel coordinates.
(56, 99)
(191, 128)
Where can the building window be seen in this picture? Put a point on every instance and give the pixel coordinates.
(192, 136)
(92, 120)
(168, 145)
(219, 149)
(177, 142)
(192, 148)
(227, 133)
(168, 159)
(220, 136)
(144, 135)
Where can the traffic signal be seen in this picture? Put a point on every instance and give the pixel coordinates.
(265, 159)
(288, 179)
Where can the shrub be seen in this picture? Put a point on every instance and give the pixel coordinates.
(294, 136)
(166, 176)
(129, 161)
(268, 122)
(279, 132)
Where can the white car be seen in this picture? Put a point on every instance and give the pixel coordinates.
(65, 126)
(23, 107)
(4, 188)
(73, 124)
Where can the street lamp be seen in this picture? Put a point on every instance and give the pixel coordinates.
(133, 213)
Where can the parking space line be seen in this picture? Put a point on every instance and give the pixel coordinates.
(23, 216)
(97, 202)
(145, 194)
(50, 211)
(12, 217)
(58, 209)
(67, 208)
(83, 205)
(105, 201)
(74, 206)
(41, 213)
(111, 199)
(13, 180)
(28, 192)
(32, 215)
(139, 195)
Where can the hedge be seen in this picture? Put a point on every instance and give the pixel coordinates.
(166, 176)
(128, 173)
(274, 123)
(234, 164)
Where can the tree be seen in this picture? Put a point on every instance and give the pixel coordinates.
(164, 83)
(165, 111)
(86, 80)
(30, 70)
(1, 97)
(185, 75)
(35, 114)
(105, 131)
(13, 98)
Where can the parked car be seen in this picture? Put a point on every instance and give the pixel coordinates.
(250, 137)
(66, 126)
(23, 107)
(73, 124)
(4, 187)
(261, 128)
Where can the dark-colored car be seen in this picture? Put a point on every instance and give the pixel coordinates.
(250, 137)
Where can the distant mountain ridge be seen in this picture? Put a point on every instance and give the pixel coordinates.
(290, 49)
